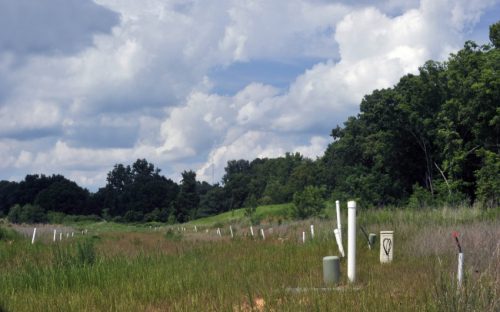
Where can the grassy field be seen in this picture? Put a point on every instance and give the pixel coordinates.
(172, 268)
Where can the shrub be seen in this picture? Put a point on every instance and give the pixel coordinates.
(308, 203)
(27, 214)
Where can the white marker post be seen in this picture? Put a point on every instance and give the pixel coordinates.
(312, 231)
(303, 237)
(34, 235)
(339, 221)
(262, 233)
(251, 230)
(218, 232)
(231, 230)
(195, 229)
(72, 234)
(460, 272)
(67, 235)
(60, 236)
(55, 231)
(351, 241)
(339, 242)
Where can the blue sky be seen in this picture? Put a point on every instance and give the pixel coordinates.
(192, 84)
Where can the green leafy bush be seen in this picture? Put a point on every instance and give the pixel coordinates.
(308, 203)
(27, 214)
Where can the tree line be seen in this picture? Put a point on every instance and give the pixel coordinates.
(432, 139)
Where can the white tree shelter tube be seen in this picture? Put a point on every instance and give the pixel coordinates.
(351, 241)
(339, 221)
(460, 271)
(34, 235)
(339, 242)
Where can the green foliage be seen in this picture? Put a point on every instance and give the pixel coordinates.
(27, 214)
(308, 203)
(488, 181)
(420, 198)
(251, 208)
(8, 234)
(495, 34)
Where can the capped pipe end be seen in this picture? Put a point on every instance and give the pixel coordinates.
(351, 204)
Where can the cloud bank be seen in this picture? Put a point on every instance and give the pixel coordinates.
(85, 85)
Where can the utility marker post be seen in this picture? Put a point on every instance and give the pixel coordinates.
(351, 241)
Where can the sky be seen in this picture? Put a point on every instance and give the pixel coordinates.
(191, 84)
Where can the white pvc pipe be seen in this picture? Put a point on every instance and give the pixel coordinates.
(262, 233)
(351, 241)
(339, 221)
(72, 234)
(34, 235)
(312, 231)
(251, 230)
(60, 236)
(231, 230)
(55, 231)
(218, 232)
(303, 237)
(195, 229)
(339, 242)
(460, 272)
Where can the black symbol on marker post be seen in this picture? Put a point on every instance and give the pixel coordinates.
(387, 245)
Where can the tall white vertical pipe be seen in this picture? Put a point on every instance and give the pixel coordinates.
(34, 235)
(262, 233)
(195, 229)
(251, 230)
(55, 231)
(304, 237)
(351, 241)
(231, 230)
(60, 236)
(312, 231)
(460, 271)
(339, 221)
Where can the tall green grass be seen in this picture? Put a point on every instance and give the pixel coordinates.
(219, 274)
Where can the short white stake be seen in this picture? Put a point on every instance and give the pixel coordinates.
(34, 235)
(339, 242)
(351, 241)
(460, 271)
(312, 231)
(339, 221)
(195, 229)
(303, 237)
(67, 235)
(72, 234)
(55, 231)
(251, 230)
(262, 233)
(231, 230)
(85, 231)
(60, 236)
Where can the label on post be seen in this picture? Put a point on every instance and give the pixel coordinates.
(386, 246)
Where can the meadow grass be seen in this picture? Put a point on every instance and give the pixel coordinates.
(166, 270)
